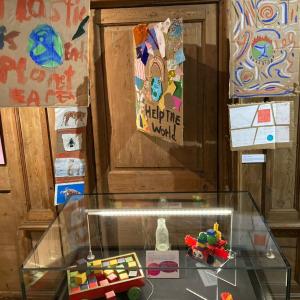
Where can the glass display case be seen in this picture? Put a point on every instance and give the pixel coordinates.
(157, 246)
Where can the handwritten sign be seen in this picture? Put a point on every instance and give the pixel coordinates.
(158, 79)
(44, 52)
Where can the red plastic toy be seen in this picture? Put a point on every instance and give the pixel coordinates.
(208, 246)
(226, 296)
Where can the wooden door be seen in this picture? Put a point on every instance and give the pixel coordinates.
(128, 160)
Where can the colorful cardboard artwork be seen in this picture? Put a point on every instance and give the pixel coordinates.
(44, 53)
(261, 126)
(65, 190)
(2, 161)
(69, 167)
(158, 79)
(70, 117)
(264, 46)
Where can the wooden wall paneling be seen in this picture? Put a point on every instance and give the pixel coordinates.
(38, 162)
(139, 3)
(98, 110)
(13, 207)
(133, 156)
(281, 174)
(228, 163)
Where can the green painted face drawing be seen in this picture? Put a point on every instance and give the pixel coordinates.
(262, 50)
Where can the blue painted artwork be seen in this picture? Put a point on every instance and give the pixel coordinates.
(65, 191)
(139, 83)
(179, 56)
(156, 89)
(45, 46)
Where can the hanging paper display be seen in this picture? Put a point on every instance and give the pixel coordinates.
(65, 190)
(159, 57)
(261, 126)
(264, 48)
(44, 53)
(71, 117)
(70, 166)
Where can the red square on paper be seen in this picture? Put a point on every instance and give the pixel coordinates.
(264, 115)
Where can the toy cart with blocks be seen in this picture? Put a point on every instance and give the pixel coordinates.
(106, 277)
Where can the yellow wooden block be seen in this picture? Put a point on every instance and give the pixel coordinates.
(123, 276)
(108, 272)
(80, 278)
(113, 262)
(97, 264)
(132, 264)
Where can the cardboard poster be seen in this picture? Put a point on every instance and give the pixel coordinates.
(264, 48)
(261, 126)
(159, 57)
(44, 53)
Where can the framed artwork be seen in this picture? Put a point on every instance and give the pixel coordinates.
(264, 48)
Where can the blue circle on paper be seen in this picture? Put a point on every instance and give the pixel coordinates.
(45, 46)
(270, 137)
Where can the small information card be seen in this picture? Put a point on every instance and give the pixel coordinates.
(162, 264)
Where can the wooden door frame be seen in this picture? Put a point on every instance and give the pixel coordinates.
(227, 160)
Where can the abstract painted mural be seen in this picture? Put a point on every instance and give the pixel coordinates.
(264, 46)
(44, 52)
(158, 79)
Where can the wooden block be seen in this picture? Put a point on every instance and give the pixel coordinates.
(75, 289)
(73, 274)
(123, 276)
(120, 269)
(110, 295)
(133, 273)
(128, 259)
(105, 263)
(92, 278)
(81, 278)
(93, 285)
(97, 264)
(103, 282)
(112, 277)
(132, 264)
(84, 287)
(100, 276)
(108, 272)
(121, 260)
(113, 262)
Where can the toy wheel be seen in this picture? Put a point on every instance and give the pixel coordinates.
(199, 254)
(210, 259)
(134, 293)
(190, 251)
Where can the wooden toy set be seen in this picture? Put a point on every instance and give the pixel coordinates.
(93, 280)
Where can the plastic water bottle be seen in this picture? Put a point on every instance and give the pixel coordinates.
(162, 235)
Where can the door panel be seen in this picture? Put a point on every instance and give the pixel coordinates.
(136, 161)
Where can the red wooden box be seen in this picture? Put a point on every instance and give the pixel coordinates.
(118, 286)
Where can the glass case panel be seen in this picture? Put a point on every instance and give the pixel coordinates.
(216, 246)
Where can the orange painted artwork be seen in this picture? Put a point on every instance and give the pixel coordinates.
(44, 53)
